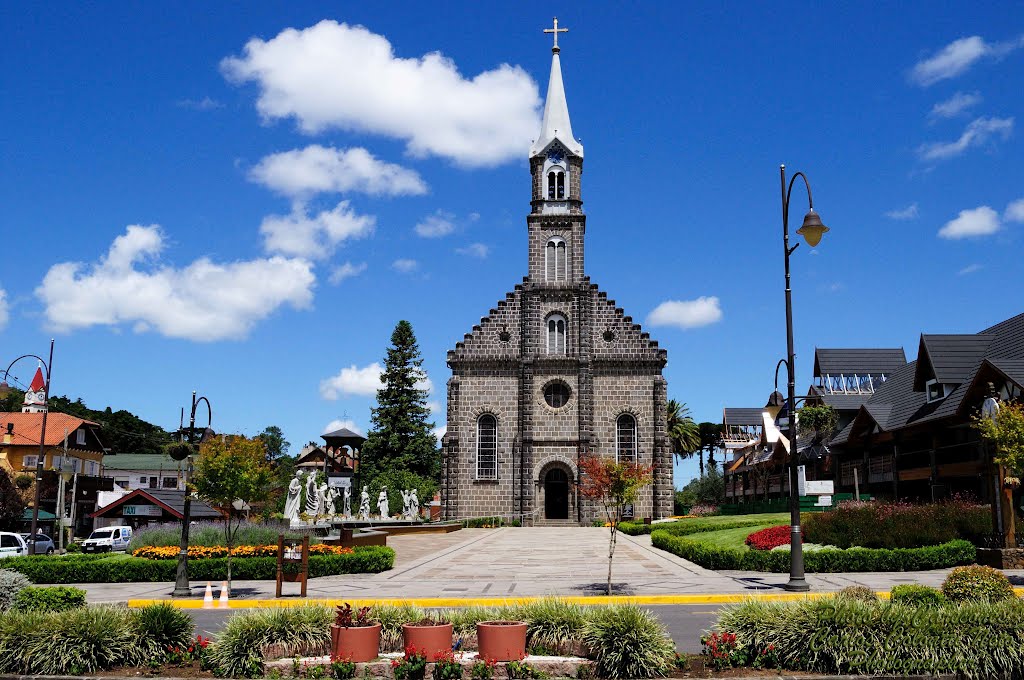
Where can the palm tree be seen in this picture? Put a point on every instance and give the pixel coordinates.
(683, 433)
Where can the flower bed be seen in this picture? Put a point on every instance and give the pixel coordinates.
(769, 537)
(168, 552)
(45, 569)
(948, 554)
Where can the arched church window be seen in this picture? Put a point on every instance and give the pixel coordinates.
(560, 182)
(556, 184)
(487, 447)
(625, 439)
(551, 186)
(555, 265)
(556, 334)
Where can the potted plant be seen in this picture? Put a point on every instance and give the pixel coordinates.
(291, 570)
(501, 640)
(431, 637)
(354, 637)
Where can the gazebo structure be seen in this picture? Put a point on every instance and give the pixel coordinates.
(341, 449)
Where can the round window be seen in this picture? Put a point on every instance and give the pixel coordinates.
(556, 394)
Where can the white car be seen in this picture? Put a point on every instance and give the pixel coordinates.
(12, 545)
(108, 539)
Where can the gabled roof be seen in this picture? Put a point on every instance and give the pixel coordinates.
(840, 402)
(949, 359)
(857, 361)
(742, 416)
(344, 433)
(141, 461)
(38, 383)
(27, 427)
(170, 500)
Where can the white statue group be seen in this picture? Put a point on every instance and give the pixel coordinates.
(320, 501)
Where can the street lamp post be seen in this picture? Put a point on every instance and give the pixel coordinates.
(812, 230)
(47, 365)
(181, 584)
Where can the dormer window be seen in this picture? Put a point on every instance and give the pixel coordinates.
(555, 259)
(935, 391)
(556, 184)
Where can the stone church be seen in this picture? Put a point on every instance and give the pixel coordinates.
(555, 370)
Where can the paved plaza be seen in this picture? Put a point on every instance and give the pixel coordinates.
(529, 562)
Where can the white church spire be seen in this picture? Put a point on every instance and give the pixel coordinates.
(556, 124)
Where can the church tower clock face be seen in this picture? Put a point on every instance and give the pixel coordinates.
(555, 368)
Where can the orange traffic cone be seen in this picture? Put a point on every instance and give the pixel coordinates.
(223, 594)
(208, 597)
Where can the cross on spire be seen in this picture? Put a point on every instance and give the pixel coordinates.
(556, 30)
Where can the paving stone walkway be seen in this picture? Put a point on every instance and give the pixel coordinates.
(524, 562)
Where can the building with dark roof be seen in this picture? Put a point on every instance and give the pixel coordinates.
(913, 437)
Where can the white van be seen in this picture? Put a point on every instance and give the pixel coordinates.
(12, 545)
(108, 539)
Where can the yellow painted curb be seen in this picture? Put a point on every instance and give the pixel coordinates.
(714, 598)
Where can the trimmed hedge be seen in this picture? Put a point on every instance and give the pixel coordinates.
(43, 569)
(49, 599)
(948, 554)
(916, 595)
(686, 527)
(898, 525)
(844, 636)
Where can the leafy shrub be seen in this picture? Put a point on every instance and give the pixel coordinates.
(553, 623)
(73, 547)
(722, 650)
(769, 537)
(845, 636)
(164, 627)
(489, 523)
(103, 569)
(976, 582)
(704, 510)
(628, 642)
(862, 593)
(820, 561)
(49, 599)
(24, 481)
(897, 525)
(916, 595)
(238, 652)
(11, 583)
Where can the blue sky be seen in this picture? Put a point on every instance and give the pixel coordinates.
(244, 200)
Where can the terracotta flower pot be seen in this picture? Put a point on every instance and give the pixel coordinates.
(501, 640)
(431, 641)
(356, 644)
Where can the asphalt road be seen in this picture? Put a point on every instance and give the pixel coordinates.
(685, 623)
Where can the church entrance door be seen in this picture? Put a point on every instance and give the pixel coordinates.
(556, 494)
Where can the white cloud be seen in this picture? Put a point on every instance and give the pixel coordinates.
(957, 57)
(204, 301)
(955, 105)
(474, 250)
(439, 224)
(1015, 211)
(970, 269)
(981, 221)
(908, 213)
(337, 424)
(316, 236)
(686, 313)
(352, 380)
(363, 381)
(4, 312)
(346, 271)
(435, 407)
(333, 75)
(405, 265)
(976, 133)
(439, 433)
(301, 173)
(204, 104)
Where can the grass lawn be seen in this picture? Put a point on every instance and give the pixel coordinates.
(726, 538)
(769, 518)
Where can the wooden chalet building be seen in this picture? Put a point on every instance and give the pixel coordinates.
(912, 439)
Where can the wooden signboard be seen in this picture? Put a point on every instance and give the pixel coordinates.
(292, 564)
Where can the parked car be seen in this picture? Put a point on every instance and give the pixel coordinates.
(108, 539)
(12, 544)
(43, 545)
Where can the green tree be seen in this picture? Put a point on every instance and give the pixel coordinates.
(11, 400)
(710, 440)
(708, 489)
(274, 441)
(12, 505)
(683, 432)
(401, 435)
(614, 486)
(230, 471)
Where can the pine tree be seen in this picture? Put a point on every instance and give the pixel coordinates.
(401, 437)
